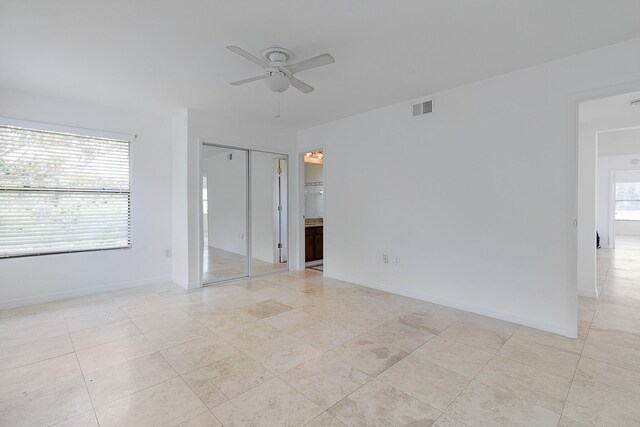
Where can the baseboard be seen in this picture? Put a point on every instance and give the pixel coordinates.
(571, 333)
(588, 293)
(185, 284)
(182, 283)
(193, 285)
(53, 296)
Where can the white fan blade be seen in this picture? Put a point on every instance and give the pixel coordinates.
(300, 85)
(316, 61)
(251, 79)
(247, 55)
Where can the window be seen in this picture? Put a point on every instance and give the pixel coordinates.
(628, 201)
(62, 192)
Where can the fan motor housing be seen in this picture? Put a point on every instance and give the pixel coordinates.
(277, 81)
(277, 55)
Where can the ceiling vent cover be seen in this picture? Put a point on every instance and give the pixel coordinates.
(422, 108)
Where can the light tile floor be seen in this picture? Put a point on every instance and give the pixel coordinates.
(298, 349)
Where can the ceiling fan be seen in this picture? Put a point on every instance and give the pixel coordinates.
(277, 74)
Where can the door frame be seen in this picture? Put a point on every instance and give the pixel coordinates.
(611, 220)
(281, 234)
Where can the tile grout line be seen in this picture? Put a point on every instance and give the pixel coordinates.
(474, 377)
(323, 351)
(84, 380)
(178, 375)
(223, 393)
(319, 415)
(196, 394)
(564, 407)
(537, 367)
(274, 375)
(420, 400)
(371, 377)
(135, 358)
(375, 377)
(42, 360)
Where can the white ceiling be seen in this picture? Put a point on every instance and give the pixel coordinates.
(612, 109)
(162, 55)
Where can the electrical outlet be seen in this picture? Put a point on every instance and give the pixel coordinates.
(396, 260)
(385, 259)
(167, 253)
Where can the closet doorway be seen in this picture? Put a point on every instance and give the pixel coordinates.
(244, 213)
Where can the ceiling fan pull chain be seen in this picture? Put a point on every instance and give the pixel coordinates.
(278, 116)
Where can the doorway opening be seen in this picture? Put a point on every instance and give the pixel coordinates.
(609, 153)
(313, 162)
(244, 213)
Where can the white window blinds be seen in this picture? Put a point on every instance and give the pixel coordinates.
(62, 192)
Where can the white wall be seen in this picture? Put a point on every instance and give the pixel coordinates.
(32, 279)
(179, 218)
(496, 237)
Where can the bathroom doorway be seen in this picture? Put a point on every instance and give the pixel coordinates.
(313, 162)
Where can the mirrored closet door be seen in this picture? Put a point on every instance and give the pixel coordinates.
(225, 211)
(244, 213)
(268, 212)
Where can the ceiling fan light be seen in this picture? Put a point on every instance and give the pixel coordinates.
(278, 82)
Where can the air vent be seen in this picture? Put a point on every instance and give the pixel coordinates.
(422, 108)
